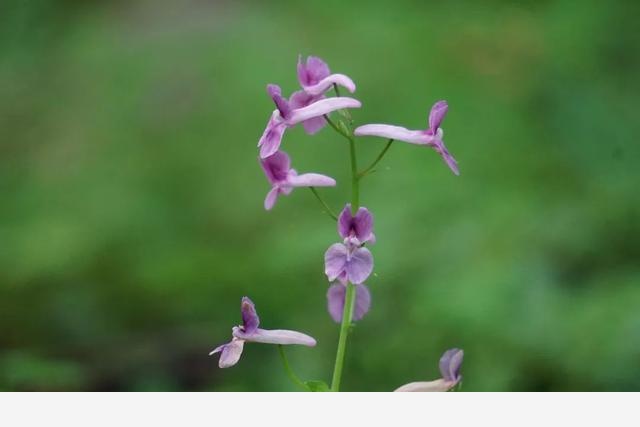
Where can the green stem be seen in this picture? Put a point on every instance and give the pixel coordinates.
(292, 375)
(323, 203)
(347, 314)
(335, 127)
(355, 187)
(377, 160)
(349, 300)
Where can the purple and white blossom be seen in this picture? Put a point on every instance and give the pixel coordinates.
(358, 227)
(250, 332)
(350, 261)
(283, 179)
(450, 364)
(336, 296)
(315, 77)
(432, 137)
(287, 115)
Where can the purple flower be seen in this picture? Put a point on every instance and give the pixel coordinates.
(283, 179)
(431, 137)
(315, 78)
(249, 332)
(350, 261)
(358, 227)
(335, 301)
(287, 115)
(450, 364)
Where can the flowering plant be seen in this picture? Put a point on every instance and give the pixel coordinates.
(348, 262)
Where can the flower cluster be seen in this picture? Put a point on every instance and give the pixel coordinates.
(348, 263)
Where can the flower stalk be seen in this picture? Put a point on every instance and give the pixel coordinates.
(345, 326)
(324, 204)
(292, 375)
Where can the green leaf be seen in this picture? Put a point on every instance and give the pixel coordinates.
(317, 386)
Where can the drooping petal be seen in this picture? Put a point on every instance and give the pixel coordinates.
(310, 180)
(276, 167)
(336, 297)
(450, 364)
(426, 386)
(311, 71)
(272, 197)
(315, 125)
(438, 145)
(275, 336)
(282, 104)
(335, 260)
(335, 301)
(320, 108)
(230, 353)
(359, 266)
(327, 83)
(250, 319)
(272, 136)
(363, 301)
(394, 132)
(436, 115)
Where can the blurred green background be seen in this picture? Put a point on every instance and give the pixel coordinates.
(131, 221)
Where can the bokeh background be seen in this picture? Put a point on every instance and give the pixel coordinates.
(131, 219)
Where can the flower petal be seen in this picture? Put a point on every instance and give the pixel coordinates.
(302, 99)
(436, 115)
(250, 319)
(335, 301)
(313, 126)
(271, 198)
(363, 302)
(275, 336)
(320, 108)
(311, 71)
(394, 132)
(363, 224)
(310, 180)
(335, 259)
(450, 364)
(426, 386)
(272, 136)
(360, 225)
(276, 167)
(439, 146)
(359, 266)
(231, 353)
(282, 104)
(345, 221)
(327, 83)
